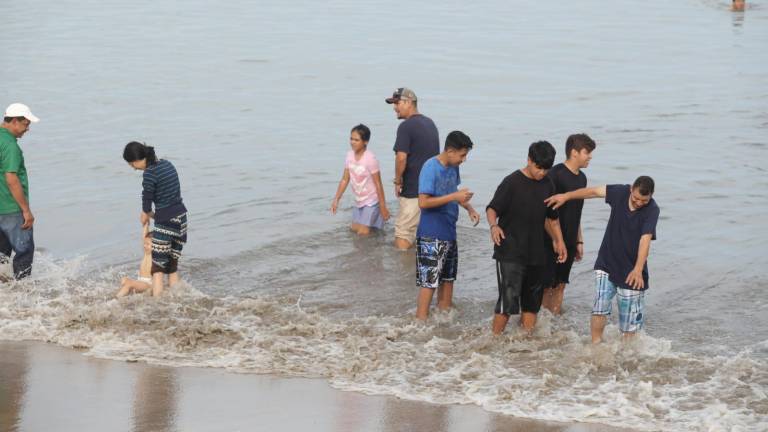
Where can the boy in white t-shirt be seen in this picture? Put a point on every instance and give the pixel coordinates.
(361, 168)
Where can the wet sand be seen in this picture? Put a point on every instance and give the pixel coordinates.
(45, 387)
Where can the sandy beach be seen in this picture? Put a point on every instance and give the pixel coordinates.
(45, 388)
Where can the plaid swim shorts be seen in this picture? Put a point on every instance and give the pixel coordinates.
(631, 303)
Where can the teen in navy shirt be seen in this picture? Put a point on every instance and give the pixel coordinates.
(621, 268)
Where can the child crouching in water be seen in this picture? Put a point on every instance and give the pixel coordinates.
(160, 188)
(361, 168)
(144, 281)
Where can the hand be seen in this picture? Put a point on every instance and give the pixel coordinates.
(556, 201)
(29, 220)
(398, 189)
(462, 196)
(473, 216)
(497, 235)
(385, 213)
(579, 252)
(561, 251)
(145, 217)
(334, 205)
(635, 279)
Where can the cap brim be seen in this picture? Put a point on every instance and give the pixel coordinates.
(32, 118)
(391, 100)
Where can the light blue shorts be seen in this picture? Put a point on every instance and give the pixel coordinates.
(369, 216)
(631, 303)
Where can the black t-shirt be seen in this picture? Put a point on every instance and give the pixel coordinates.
(570, 213)
(417, 135)
(519, 204)
(618, 252)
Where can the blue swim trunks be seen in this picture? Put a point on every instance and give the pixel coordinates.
(631, 303)
(436, 261)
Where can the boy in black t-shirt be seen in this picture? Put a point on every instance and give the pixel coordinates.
(518, 219)
(621, 269)
(567, 177)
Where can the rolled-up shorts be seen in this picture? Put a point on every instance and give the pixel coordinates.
(369, 216)
(631, 303)
(407, 221)
(520, 287)
(168, 239)
(436, 261)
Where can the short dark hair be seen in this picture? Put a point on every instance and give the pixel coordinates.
(578, 142)
(365, 133)
(10, 119)
(644, 185)
(458, 140)
(542, 154)
(137, 151)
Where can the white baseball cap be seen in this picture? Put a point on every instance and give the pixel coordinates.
(20, 110)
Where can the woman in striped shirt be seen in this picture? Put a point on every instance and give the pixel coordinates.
(161, 189)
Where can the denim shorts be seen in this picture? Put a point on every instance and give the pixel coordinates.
(436, 261)
(631, 303)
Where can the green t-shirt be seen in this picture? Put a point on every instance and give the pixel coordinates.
(11, 160)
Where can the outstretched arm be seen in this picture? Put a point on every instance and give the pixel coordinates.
(635, 277)
(557, 201)
(340, 190)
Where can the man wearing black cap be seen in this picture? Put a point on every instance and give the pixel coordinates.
(417, 140)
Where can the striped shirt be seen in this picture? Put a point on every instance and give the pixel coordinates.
(161, 187)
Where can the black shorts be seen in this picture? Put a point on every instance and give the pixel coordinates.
(556, 273)
(520, 287)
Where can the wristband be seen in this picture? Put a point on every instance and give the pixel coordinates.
(579, 242)
(494, 225)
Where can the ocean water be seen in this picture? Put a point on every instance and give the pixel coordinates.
(253, 102)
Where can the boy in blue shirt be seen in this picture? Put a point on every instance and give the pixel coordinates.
(437, 255)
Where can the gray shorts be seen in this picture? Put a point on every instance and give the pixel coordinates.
(369, 216)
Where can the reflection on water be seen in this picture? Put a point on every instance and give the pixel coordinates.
(13, 372)
(154, 401)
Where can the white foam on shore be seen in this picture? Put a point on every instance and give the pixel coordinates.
(556, 374)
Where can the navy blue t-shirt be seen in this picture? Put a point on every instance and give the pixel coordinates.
(438, 180)
(618, 252)
(417, 136)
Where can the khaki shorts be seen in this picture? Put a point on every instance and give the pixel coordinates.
(407, 219)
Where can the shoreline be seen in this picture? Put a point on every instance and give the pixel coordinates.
(48, 387)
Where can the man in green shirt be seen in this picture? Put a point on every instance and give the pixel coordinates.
(16, 218)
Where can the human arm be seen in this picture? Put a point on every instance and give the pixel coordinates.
(635, 277)
(474, 216)
(148, 185)
(462, 196)
(557, 201)
(17, 191)
(497, 234)
(400, 161)
(579, 246)
(340, 190)
(380, 192)
(552, 227)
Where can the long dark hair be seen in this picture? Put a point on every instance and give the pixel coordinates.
(137, 151)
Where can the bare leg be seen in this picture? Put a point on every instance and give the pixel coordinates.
(423, 302)
(157, 284)
(173, 278)
(445, 296)
(528, 321)
(546, 300)
(597, 324)
(131, 285)
(402, 243)
(556, 299)
(361, 229)
(499, 323)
